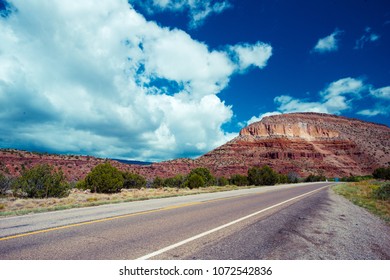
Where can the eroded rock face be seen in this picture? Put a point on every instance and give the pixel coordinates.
(305, 143)
(302, 143)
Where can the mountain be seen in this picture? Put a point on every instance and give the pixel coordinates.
(303, 143)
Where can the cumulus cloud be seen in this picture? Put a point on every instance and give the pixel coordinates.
(98, 78)
(328, 43)
(198, 10)
(261, 116)
(367, 37)
(382, 107)
(382, 93)
(252, 55)
(336, 98)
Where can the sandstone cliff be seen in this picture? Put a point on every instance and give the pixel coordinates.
(305, 143)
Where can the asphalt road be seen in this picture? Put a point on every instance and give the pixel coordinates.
(252, 224)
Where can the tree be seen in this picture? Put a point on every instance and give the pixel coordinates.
(158, 182)
(42, 181)
(382, 173)
(222, 181)
(195, 181)
(315, 178)
(238, 180)
(133, 181)
(175, 182)
(264, 176)
(104, 178)
(203, 172)
(5, 184)
(282, 179)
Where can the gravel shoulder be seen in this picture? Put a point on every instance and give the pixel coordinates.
(338, 229)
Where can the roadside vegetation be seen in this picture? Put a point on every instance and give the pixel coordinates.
(372, 194)
(44, 188)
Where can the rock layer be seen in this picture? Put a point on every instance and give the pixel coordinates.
(305, 143)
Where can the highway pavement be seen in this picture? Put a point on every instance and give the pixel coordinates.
(155, 229)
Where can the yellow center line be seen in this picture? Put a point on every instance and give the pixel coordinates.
(98, 221)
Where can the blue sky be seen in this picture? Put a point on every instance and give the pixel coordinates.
(161, 79)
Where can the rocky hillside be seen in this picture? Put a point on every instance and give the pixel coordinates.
(303, 143)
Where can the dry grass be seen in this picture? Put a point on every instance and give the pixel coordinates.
(10, 206)
(361, 193)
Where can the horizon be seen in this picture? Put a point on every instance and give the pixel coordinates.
(159, 80)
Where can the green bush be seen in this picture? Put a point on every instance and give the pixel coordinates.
(41, 181)
(282, 179)
(104, 178)
(383, 192)
(238, 180)
(175, 182)
(315, 178)
(195, 181)
(203, 172)
(133, 181)
(5, 184)
(264, 176)
(382, 173)
(158, 183)
(222, 181)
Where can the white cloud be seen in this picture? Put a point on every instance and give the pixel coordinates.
(335, 98)
(101, 79)
(261, 116)
(367, 37)
(252, 55)
(198, 10)
(329, 43)
(370, 112)
(382, 93)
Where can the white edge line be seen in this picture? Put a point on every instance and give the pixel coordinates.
(173, 246)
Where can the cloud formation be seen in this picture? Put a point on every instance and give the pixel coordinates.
(100, 79)
(336, 98)
(328, 43)
(367, 37)
(198, 10)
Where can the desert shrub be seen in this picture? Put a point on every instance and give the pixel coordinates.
(195, 181)
(383, 192)
(264, 176)
(238, 180)
(222, 181)
(81, 185)
(203, 172)
(292, 177)
(41, 181)
(175, 182)
(282, 179)
(5, 184)
(315, 178)
(158, 182)
(133, 181)
(104, 178)
(382, 173)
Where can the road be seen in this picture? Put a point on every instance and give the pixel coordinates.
(249, 224)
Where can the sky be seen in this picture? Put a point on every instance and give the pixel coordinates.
(161, 79)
